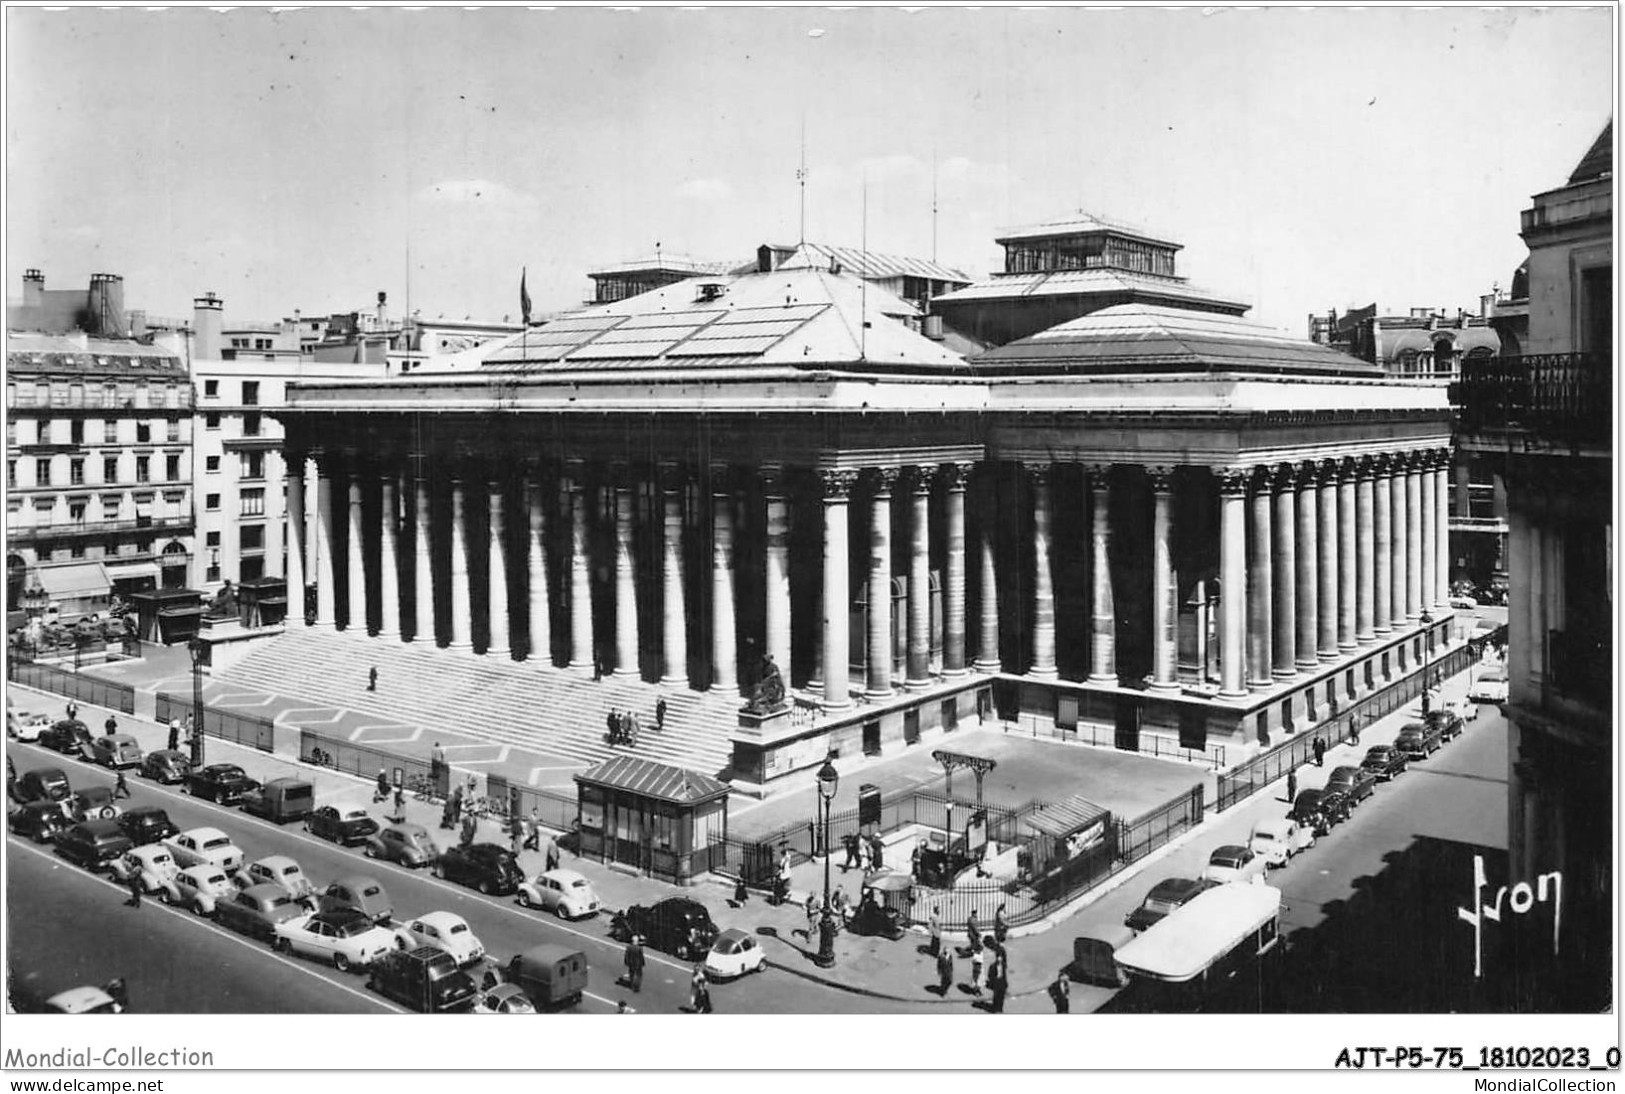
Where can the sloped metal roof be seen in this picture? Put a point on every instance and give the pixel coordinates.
(1079, 223)
(664, 260)
(659, 781)
(1095, 281)
(1066, 817)
(36, 353)
(868, 264)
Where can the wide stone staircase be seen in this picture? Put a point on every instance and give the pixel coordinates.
(518, 703)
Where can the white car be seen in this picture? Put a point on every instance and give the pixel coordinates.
(26, 727)
(156, 868)
(1490, 687)
(205, 847)
(1467, 712)
(202, 888)
(1463, 603)
(1276, 841)
(1233, 862)
(344, 936)
(734, 953)
(504, 999)
(449, 932)
(278, 870)
(565, 893)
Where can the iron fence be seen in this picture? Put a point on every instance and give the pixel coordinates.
(359, 759)
(228, 725)
(76, 686)
(1147, 744)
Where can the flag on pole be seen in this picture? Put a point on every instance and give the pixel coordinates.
(524, 298)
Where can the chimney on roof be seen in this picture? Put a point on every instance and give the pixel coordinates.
(33, 288)
(206, 311)
(383, 311)
(106, 312)
(932, 328)
(764, 259)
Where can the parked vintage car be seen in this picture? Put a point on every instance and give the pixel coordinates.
(550, 975)
(1278, 840)
(40, 821)
(407, 844)
(23, 726)
(205, 846)
(156, 868)
(449, 932)
(1449, 724)
(346, 937)
(147, 824)
(222, 783)
(166, 766)
(361, 893)
(349, 825)
(202, 887)
(1490, 686)
(116, 750)
(1417, 740)
(1355, 783)
(1164, 897)
(43, 784)
(425, 979)
(68, 736)
(1318, 809)
(677, 925)
(733, 954)
(565, 893)
(1385, 761)
(281, 871)
(93, 844)
(488, 867)
(92, 803)
(504, 999)
(1234, 862)
(257, 910)
(1467, 712)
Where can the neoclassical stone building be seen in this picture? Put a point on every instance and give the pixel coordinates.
(1162, 523)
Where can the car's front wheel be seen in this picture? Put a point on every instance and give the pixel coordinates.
(561, 912)
(524, 899)
(439, 871)
(370, 851)
(485, 886)
(341, 963)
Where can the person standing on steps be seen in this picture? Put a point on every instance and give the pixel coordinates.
(660, 714)
(372, 678)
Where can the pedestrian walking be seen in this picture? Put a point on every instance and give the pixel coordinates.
(812, 914)
(700, 990)
(135, 890)
(914, 862)
(1061, 993)
(516, 833)
(551, 856)
(372, 678)
(437, 769)
(613, 723)
(1319, 747)
(111, 725)
(945, 971)
(533, 829)
(998, 979)
(174, 734)
(839, 905)
(121, 788)
(1000, 926)
(973, 931)
(1354, 728)
(1292, 785)
(934, 924)
(189, 728)
(877, 852)
(660, 714)
(634, 963)
(400, 803)
(470, 828)
(382, 792)
(73, 710)
(977, 957)
(741, 890)
(854, 855)
(597, 668)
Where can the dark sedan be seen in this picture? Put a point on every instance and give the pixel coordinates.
(43, 784)
(484, 866)
(166, 766)
(677, 925)
(40, 821)
(70, 737)
(224, 783)
(1164, 897)
(1384, 761)
(1447, 723)
(346, 826)
(1318, 810)
(147, 824)
(1355, 782)
(1417, 740)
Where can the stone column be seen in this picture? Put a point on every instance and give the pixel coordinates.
(1428, 587)
(724, 653)
(1286, 572)
(1414, 535)
(879, 652)
(919, 581)
(1400, 534)
(836, 486)
(1329, 606)
(326, 544)
(953, 584)
(1232, 580)
(541, 598)
(1102, 605)
(1383, 545)
(583, 654)
(1441, 518)
(1164, 588)
(674, 637)
(354, 563)
(498, 637)
(422, 563)
(389, 559)
(625, 581)
(1043, 664)
(1365, 551)
(1347, 557)
(987, 631)
(1308, 571)
(294, 571)
(777, 614)
(462, 609)
(1260, 586)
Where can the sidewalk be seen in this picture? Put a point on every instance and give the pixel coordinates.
(874, 967)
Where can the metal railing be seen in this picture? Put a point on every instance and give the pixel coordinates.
(228, 725)
(1564, 396)
(84, 689)
(1149, 744)
(359, 759)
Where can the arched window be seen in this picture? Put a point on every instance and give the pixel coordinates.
(16, 573)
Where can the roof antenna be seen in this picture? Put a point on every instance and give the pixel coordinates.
(863, 280)
(801, 177)
(933, 203)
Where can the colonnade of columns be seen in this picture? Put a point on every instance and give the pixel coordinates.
(1316, 559)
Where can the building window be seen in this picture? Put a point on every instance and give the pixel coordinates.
(174, 429)
(76, 394)
(253, 503)
(109, 395)
(77, 551)
(253, 465)
(11, 433)
(251, 425)
(251, 388)
(143, 433)
(11, 473)
(211, 421)
(110, 469)
(59, 394)
(42, 472)
(143, 469)
(76, 432)
(212, 573)
(211, 389)
(76, 472)
(211, 464)
(251, 569)
(110, 432)
(172, 468)
(211, 502)
(211, 539)
(110, 509)
(76, 511)
(251, 537)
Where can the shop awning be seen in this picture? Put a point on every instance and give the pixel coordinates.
(1064, 818)
(131, 571)
(77, 579)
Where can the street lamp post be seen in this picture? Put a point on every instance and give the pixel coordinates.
(1427, 662)
(828, 781)
(200, 657)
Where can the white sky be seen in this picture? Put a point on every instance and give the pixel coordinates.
(1307, 159)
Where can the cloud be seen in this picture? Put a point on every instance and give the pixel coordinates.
(470, 191)
(706, 190)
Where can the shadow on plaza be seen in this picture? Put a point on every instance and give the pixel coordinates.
(1398, 944)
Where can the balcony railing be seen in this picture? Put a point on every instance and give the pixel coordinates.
(1564, 397)
(97, 529)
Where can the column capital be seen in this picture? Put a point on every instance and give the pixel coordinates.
(1233, 480)
(1328, 472)
(1162, 477)
(882, 479)
(919, 479)
(1282, 476)
(771, 476)
(1442, 457)
(1379, 465)
(1039, 473)
(955, 476)
(1097, 471)
(835, 483)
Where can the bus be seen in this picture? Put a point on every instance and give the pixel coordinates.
(1205, 955)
